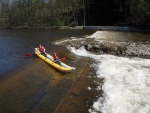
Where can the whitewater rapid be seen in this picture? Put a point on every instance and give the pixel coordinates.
(126, 87)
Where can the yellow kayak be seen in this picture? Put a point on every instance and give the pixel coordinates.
(49, 59)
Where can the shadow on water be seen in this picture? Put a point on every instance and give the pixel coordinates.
(38, 87)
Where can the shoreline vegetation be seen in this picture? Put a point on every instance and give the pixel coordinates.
(42, 27)
(38, 13)
(109, 28)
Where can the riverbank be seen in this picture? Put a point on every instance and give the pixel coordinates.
(40, 27)
(103, 28)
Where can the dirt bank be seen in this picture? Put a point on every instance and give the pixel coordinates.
(38, 88)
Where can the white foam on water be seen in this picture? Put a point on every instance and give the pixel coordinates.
(126, 87)
(67, 40)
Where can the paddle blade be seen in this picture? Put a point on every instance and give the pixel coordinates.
(27, 54)
(64, 58)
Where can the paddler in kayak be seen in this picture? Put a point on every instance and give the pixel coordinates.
(56, 59)
(42, 50)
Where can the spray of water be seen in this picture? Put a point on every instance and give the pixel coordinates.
(126, 87)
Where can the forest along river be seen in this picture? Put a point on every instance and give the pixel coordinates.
(16, 43)
(126, 85)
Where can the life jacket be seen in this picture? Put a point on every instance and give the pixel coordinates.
(55, 57)
(42, 49)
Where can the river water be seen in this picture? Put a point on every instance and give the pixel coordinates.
(126, 85)
(16, 43)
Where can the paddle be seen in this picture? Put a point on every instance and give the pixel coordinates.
(27, 54)
(63, 58)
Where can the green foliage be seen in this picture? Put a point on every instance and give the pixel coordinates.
(54, 21)
(36, 13)
(140, 12)
(59, 22)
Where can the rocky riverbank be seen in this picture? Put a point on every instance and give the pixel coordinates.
(129, 49)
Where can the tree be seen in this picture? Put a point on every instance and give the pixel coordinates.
(38, 13)
(140, 12)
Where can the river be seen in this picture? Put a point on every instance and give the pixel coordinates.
(16, 43)
(126, 84)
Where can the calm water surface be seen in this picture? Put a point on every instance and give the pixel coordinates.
(15, 43)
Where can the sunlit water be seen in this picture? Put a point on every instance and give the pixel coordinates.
(15, 44)
(126, 87)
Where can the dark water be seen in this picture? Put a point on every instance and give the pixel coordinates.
(16, 43)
